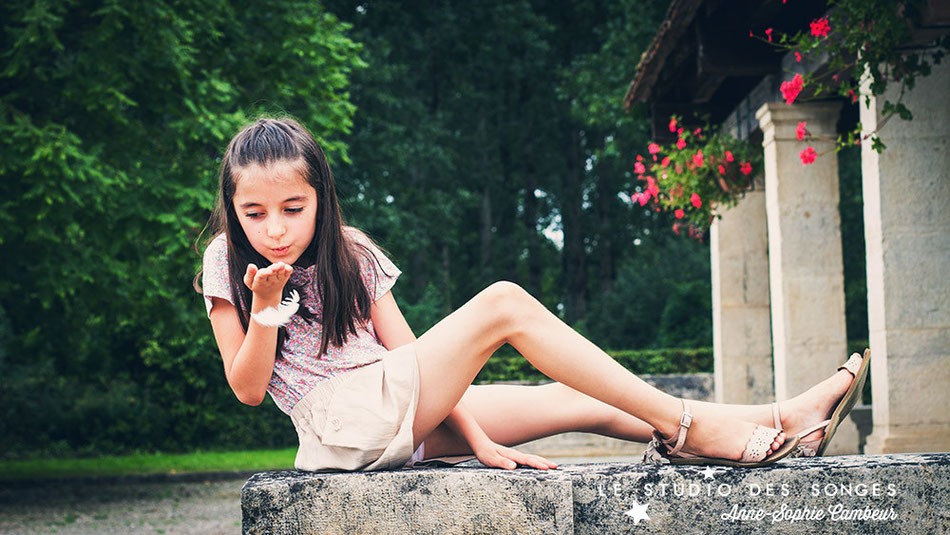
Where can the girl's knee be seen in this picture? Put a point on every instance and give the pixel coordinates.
(504, 290)
(508, 302)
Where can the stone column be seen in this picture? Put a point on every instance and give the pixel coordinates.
(742, 337)
(806, 279)
(907, 231)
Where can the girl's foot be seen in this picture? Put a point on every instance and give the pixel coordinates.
(711, 434)
(814, 405)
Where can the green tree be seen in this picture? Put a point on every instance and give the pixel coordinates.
(112, 115)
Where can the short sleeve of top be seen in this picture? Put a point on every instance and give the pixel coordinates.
(214, 275)
(386, 272)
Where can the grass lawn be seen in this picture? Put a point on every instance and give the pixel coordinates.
(158, 463)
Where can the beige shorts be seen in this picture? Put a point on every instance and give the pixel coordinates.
(361, 419)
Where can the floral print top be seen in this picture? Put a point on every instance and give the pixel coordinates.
(298, 369)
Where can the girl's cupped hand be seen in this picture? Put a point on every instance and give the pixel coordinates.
(495, 455)
(268, 283)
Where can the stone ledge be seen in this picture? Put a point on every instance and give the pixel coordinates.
(895, 493)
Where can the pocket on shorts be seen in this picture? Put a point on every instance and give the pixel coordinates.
(362, 412)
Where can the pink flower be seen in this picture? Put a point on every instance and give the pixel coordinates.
(679, 213)
(695, 200)
(798, 57)
(722, 169)
(681, 143)
(644, 198)
(768, 32)
(853, 95)
(639, 168)
(808, 155)
(652, 188)
(697, 131)
(679, 131)
(653, 148)
(676, 228)
(666, 161)
(673, 124)
(820, 27)
(729, 156)
(698, 158)
(792, 88)
(745, 167)
(676, 191)
(639, 158)
(801, 132)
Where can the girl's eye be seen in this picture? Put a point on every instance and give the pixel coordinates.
(254, 215)
(295, 210)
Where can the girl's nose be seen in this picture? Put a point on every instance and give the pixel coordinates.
(275, 228)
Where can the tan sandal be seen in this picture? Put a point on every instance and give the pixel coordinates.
(858, 366)
(667, 451)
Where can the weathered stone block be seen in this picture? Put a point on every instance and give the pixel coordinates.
(896, 493)
(407, 501)
(853, 494)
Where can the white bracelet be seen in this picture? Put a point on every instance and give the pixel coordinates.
(279, 315)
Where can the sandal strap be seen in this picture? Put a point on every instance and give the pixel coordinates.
(759, 443)
(814, 428)
(675, 442)
(853, 365)
(776, 418)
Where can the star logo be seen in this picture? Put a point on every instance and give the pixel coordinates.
(708, 472)
(638, 512)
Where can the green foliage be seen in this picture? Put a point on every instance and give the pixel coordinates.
(475, 128)
(703, 173)
(867, 42)
(853, 254)
(112, 115)
(149, 463)
(508, 365)
(661, 297)
(685, 319)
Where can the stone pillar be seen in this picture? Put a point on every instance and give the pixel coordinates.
(907, 231)
(806, 279)
(742, 337)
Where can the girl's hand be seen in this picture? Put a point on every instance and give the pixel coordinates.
(268, 283)
(495, 455)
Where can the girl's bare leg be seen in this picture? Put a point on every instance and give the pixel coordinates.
(512, 414)
(451, 353)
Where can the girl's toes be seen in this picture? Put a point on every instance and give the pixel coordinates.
(777, 443)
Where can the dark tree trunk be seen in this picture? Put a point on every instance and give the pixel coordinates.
(531, 222)
(605, 195)
(573, 257)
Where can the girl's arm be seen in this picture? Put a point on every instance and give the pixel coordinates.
(249, 358)
(393, 331)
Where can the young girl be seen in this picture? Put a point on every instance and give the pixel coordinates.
(301, 307)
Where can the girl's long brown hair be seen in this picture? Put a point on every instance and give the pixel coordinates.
(337, 279)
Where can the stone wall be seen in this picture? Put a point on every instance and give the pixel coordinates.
(896, 493)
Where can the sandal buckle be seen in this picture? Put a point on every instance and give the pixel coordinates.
(686, 419)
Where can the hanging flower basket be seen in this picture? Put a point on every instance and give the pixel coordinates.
(702, 172)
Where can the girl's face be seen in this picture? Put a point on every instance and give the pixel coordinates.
(277, 209)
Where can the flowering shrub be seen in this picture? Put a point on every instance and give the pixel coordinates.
(692, 177)
(858, 37)
(696, 175)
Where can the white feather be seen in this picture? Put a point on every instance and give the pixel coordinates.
(279, 315)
